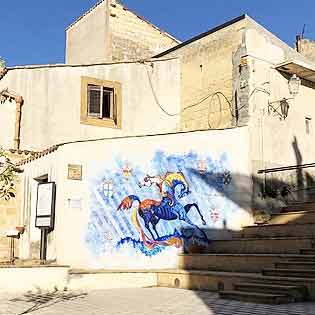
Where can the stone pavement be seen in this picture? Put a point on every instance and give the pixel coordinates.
(151, 301)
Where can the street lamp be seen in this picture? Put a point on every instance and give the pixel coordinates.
(284, 106)
(294, 88)
(294, 85)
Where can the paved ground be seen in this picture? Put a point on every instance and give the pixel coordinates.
(151, 301)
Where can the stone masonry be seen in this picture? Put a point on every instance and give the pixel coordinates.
(307, 48)
(109, 32)
(210, 56)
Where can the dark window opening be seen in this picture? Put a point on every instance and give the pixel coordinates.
(101, 102)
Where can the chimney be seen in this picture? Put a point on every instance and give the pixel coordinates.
(306, 47)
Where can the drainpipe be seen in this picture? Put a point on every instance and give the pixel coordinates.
(18, 113)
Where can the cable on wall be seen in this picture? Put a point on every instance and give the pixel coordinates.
(209, 96)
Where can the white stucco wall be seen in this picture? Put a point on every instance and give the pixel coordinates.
(52, 100)
(88, 231)
(87, 41)
(7, 123)
(276, 142)
(265, 52)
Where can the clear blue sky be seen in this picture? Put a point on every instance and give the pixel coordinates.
(32, 32)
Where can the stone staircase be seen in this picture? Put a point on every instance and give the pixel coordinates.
(272, 263)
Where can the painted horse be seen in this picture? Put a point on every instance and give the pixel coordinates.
(168, 208)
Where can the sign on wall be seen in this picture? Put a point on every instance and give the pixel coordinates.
(74, 172)
(45, 206)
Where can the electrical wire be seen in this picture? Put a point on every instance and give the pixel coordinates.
(211, 96)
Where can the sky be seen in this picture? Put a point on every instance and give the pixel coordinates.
(33, 31)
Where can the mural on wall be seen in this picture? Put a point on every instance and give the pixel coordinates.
(169, 205)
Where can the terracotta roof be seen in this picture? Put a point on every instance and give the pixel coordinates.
(21, 152)
(3, 72)
(37, 155)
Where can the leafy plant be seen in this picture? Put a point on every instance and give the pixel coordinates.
(2, 63)
(7, 176)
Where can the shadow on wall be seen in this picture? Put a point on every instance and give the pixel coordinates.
(273, 193)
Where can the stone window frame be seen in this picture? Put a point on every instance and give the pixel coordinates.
(97, 121)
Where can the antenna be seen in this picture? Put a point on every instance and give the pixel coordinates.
(303, 31)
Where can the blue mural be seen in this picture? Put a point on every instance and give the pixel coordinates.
(171, 207)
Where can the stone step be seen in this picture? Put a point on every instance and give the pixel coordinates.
(288, 272)
(277, 230)
(293, 217)
(256, 297)
(271, 245)
(236, 262)
(307, 251)
(295, 207)
(298, 293)
(295, 265)
(218, 280)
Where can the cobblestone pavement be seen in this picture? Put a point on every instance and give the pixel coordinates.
(151, 301)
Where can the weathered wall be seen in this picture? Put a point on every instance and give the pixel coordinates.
(109, 32)
(133, 38)
(276, 142)
(307, 48)
(91, 232)
(87, 40)
(7, 121)
(207, 68)
(52, 100)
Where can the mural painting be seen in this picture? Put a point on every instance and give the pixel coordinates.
(158, 210)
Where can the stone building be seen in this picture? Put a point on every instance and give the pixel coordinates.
(217, 108)
(110, 32)
(306, 47)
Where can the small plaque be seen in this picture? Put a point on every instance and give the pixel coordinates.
(74, 172)
(75, 204)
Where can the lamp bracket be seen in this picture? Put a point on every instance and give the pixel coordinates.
(277, 110)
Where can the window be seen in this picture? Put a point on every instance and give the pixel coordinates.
(100, 103)
(308, 125)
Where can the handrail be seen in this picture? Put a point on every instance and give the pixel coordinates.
(286, 168)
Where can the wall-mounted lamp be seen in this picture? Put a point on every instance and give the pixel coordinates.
(282, 109)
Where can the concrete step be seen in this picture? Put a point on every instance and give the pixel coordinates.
(288, 272)
(100, 279)
(256, 297)
(236, 262)
(277, 230)
(307, 251)
(270, 245)
(20, 279)
(295, 265)
(298, 293)
(293, 217)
